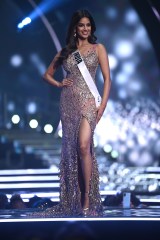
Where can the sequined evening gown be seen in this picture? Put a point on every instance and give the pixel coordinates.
(76, 102)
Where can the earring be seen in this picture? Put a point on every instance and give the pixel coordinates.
(75, 34)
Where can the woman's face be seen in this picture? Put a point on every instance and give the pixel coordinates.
(84, 28)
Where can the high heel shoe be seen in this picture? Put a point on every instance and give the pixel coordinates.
(86, 209)
(85, 212)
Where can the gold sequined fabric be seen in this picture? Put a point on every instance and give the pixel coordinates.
(76, 102)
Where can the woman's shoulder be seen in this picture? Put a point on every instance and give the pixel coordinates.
(100, 46)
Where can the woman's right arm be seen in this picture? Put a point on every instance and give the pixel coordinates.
(49, 75)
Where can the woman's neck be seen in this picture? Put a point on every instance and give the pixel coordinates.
(82, 43)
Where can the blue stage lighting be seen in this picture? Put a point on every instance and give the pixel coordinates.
(24, 22)
(45, 6)
(20, 25)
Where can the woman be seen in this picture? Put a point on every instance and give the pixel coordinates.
(79, 177)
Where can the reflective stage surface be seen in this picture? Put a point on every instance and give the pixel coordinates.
(117, 223)
(109, 213)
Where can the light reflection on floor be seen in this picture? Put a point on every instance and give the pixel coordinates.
(109, 214)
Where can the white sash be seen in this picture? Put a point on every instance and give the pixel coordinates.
(87, 77)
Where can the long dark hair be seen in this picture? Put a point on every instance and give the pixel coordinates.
(71, 40)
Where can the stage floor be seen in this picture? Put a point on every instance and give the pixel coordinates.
(110, 213)
(117, 223)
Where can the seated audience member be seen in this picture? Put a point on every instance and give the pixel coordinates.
(43, 203)
(3, 201)
(33, 201)
(117, 200)
(16, 202)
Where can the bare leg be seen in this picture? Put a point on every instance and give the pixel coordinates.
(86, 161)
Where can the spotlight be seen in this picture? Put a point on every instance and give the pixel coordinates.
(48, 128)
(135, 85)
(8, 125)
(114, 154)
(107, 148)
(122, 93)
(11, 106)
(16, 60)
(134, 156)
(153, 187)
(20, 25)
(33, 123)
(31, 107)
(112, 61)
(121, 78)
(111, 13)
(128, 67)
(130, 143)
(131, 17)
(24, 22)
(15, 119)
(146, 159)
(124, 48)
(142, 140)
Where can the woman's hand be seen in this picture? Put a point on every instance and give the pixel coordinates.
(100, 111)
(66, 82)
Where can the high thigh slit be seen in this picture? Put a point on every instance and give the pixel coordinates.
(76, 103)
(85, 160)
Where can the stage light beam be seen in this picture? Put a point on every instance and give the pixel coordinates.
(24, 22)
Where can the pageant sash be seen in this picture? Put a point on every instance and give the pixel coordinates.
(87, 77)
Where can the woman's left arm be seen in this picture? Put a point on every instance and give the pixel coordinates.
(104, 65)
